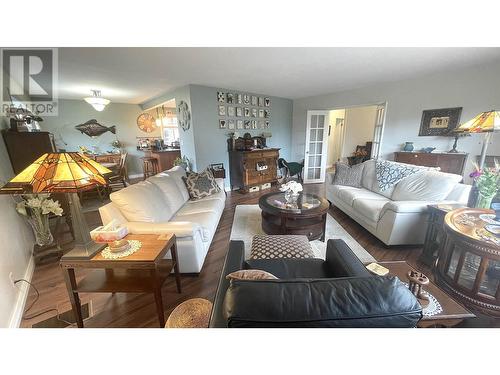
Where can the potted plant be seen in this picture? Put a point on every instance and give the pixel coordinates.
(184, 162)
(37, 208)
(117, 146)
(487, 181)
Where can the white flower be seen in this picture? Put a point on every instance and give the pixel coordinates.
(34, 202)
(21, 208)
(292, 186)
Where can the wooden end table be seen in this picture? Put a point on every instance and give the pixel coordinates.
(452, 314)
(144, 271)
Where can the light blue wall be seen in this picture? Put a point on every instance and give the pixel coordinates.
(211, 142)
(123, 116)
(186, 137)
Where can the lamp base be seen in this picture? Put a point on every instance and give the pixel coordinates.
(84, 251)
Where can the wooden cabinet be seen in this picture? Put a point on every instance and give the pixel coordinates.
(448, 162)
(245, 167)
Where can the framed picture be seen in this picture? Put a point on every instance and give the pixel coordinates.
(231, 111)
(222, 110)
(267, 124)
(239, 112)
(221, 97)
(217, 166)
(239, 124)
(261, 113)
(262, 125)
(254, 100)
(222, 124)
(239, 99)
(267, 102)
(229, 98)
(246, 99)
(254, 112)
(254, 124)
(247, 124)
(267, 113)
(439, 121)
(230, 124)
(247, 112)
(261, 101)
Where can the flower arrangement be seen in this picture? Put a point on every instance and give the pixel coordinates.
(291, 186)
(36, 208)
(487, 181)
(184, 162)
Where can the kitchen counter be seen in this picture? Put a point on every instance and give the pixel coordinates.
(164, 157)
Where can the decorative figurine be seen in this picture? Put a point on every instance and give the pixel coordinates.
(416, 280)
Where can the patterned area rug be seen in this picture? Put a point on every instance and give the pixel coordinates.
(247, 223)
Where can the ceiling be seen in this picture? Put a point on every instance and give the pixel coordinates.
(134, 75)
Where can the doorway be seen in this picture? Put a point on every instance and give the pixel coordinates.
(350, 135)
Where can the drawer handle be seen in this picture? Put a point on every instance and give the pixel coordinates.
(415, 156)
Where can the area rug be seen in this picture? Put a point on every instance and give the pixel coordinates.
(247, 223)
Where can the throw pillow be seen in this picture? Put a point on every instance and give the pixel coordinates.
(251, 275)
(201, 185)
(348, 176)
(389, 173)
(280, 246)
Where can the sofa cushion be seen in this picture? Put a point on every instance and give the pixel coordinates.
(202, 205)
(348, 175)
(370, 208)
(201, 185)
(171, 192)
(426, 186)
(206, 220)
(369, 180)
(280, 246)
(349, 195)
(178, 173)
(389, 173)
(143, 202)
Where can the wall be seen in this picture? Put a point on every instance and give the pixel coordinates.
(359, 125)
(187, 141)
(475, 89)
(123, 116)
(335, 140)
(15, 254)
(211, 142)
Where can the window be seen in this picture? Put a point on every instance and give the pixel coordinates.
(169, 130)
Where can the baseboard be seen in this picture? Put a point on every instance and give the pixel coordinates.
(17, 314)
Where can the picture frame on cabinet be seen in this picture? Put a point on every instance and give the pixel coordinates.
(221, 97)
(231, 111)
(231, 124)
(239, 124)
(222, 110)
(239, 112)
(222, 124)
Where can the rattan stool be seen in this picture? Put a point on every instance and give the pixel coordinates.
(149, 166)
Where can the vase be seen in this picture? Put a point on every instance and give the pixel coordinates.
(408, 146)
(41, 229)
(484, 201)
(291, 198)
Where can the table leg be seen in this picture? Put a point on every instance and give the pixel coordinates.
(324, 228)
(69, 277)
(158, 299)
(173, 250)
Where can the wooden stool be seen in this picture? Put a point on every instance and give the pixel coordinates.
(193, 313)
(149, 166)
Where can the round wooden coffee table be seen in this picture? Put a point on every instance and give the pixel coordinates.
(306, 217)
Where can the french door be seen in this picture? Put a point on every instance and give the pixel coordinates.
(378, 131)
(316, 146)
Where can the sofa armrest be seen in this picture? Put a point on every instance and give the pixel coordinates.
(234, 262)
(342, 262)
(410, 206)
(179, 228)
(329, 177)
(220, 182)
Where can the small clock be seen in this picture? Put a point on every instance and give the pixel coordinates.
(146, 122)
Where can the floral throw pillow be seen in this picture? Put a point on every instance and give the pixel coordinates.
(390, 173)
(201, 185)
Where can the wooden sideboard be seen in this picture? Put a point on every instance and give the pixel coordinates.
(448, 162)
(244, 167)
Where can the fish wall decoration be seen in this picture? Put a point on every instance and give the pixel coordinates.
(93, 129)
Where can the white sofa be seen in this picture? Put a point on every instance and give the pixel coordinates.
(161, 205)
(398, 215)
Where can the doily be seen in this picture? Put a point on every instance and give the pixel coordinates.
(433, 308)
(134, 246)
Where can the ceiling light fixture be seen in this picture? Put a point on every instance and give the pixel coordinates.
(97, 101)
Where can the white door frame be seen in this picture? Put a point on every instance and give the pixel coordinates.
(324, 147)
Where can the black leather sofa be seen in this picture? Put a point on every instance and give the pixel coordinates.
(336, 292)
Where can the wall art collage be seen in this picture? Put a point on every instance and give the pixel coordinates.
(243, 111)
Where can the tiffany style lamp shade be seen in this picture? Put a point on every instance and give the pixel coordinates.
(486, 122)
(70, 173)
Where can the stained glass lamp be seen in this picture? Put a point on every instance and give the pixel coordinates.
(69, 173)
(486, 122)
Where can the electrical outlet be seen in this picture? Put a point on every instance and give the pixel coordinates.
(12, 279)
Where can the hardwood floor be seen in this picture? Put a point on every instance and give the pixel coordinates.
(138, 310)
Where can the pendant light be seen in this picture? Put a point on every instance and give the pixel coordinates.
(96, 101)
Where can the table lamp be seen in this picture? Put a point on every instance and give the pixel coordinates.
(486, 122)
(68, 172)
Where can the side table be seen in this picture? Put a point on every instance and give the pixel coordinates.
(435, 236)
(143, 271)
